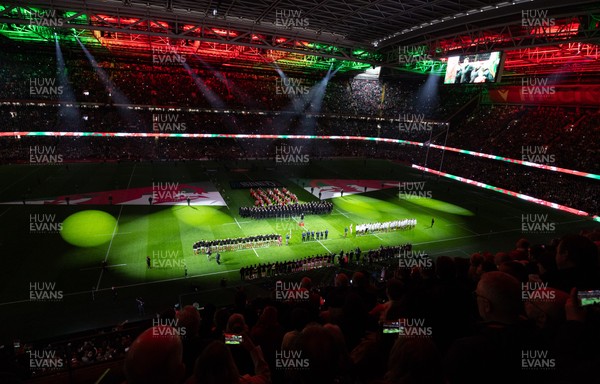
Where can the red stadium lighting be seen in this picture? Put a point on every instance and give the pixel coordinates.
(224, 32)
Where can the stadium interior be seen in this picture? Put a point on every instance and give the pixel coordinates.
(300, 191)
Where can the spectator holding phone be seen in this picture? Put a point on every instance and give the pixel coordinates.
(216, 365)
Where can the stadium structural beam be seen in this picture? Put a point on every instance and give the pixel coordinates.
(132, 20)
(569, 28)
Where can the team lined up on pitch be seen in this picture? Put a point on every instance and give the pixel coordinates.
(290, 210)
(363, 229)
(220, 245)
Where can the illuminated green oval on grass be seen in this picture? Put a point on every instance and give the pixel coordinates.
(88, 228)
(439, 205)
(201, 215)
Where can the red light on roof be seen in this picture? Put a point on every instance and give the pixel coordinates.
(224, 32)
(118, 20)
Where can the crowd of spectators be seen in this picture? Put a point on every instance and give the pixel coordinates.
(566, 135)
(573, 191)
(482, 329)
(141, 83)
(76, 353)
(553, 136)
(511, 316)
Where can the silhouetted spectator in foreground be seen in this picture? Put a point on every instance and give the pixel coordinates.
(577, 263)
(493, 354)
(155, 357)
(216, 365)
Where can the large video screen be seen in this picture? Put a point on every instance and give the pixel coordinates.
(473, 69)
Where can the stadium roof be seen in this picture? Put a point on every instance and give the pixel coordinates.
(313, 34)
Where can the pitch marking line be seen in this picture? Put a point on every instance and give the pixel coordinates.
(319, 241)
(108, 266)
(127, 286)
(9, 208)
(115, 229)
(342, 213)
(238, 224)
(24, 177)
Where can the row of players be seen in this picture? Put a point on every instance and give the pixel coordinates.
(203, 246)
(363, 229)
(314, 208)
(312, 235)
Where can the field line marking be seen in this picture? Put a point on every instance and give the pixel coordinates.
(108, 266)
(27, 175)
(5, 211)
(324, 246)
(238, 224)
(256, 253)
(115, 229)
(342, 213)
(128, 286)
(463, 227)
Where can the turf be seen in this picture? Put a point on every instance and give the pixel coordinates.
(467, 219)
